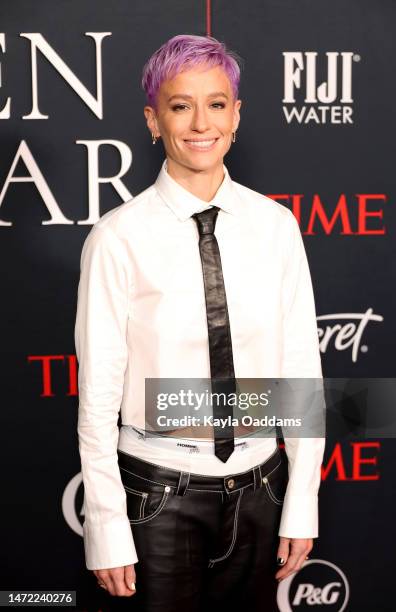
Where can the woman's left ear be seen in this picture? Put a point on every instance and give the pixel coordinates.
(237, 117)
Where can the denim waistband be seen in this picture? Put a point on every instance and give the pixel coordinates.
(181, 481)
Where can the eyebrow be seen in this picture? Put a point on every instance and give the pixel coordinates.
(215, 94)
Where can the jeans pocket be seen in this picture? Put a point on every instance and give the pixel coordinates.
(143, 506)
(275, 483)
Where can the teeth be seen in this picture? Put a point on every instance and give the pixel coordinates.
(204, 144)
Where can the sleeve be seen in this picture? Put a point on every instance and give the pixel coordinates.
(300, 359)
(101, 349)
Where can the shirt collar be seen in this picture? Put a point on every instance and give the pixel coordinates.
(184, 204)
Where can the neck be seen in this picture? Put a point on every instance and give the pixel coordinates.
(201, 183)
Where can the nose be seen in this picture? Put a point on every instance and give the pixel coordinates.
(200, 121)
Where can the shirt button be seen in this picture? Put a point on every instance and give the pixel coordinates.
(265, 479)
(167, 489)
(230, 483)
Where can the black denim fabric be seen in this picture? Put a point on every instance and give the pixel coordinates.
(204, 543)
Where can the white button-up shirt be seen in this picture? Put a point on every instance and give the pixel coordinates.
(141, 314)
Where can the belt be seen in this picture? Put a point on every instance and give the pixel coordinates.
(181, 481)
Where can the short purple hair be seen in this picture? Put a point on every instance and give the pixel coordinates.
(186, 51)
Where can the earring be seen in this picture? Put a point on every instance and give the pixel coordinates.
(233, 136)
(154, 138)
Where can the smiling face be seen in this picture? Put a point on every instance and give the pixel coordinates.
(196, 115)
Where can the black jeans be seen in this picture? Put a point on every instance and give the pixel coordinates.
(204, 542)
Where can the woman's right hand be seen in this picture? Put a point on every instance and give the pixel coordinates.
(118, 581)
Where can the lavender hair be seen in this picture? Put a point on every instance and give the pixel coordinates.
(186, 51)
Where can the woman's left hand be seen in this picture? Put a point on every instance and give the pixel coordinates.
(293, 551)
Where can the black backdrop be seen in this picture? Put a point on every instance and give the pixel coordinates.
(330, 167)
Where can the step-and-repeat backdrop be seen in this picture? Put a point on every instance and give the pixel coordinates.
(316, 134)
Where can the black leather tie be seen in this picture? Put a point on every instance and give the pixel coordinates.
(220, 347)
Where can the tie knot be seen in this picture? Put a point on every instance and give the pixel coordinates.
(206, 220)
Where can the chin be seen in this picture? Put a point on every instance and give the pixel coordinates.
(205, 164)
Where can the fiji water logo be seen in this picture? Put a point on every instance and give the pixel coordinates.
(318, 89)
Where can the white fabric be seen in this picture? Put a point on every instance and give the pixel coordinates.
(141, 313)
(194, 455)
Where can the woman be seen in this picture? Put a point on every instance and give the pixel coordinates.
(197, 277)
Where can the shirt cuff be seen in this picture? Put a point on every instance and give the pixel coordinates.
(109, 545)
(299, 516)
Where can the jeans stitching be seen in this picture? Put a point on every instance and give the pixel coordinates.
(206, 491)
(188, 482)
(142, 505)
(178, 484)
(271, 495)
(273, 470)
(143, 497)
(140, 493)
(143, 478)
(234, 533)
(162, 484)
(203, 490)
(155, 513)
(277, 501)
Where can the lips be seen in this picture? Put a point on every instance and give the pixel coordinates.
(201, 145)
